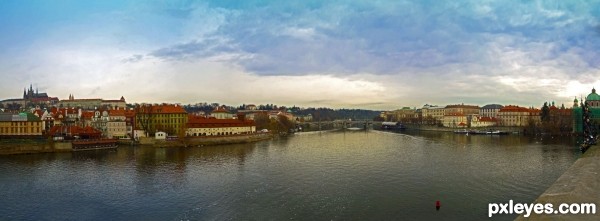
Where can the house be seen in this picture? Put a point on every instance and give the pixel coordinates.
(160, 135)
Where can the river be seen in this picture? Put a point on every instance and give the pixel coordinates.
(308, 176)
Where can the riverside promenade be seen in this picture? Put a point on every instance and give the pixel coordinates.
(579, 184)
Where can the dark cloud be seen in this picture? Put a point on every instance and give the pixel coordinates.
(193, 49)
(134, 58)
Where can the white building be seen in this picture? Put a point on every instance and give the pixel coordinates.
(490, 110)
(200, 126)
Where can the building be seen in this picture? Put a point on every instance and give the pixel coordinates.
(169, 118)
(515, 116)
(93, 103)
(479, 121)
(490, 110)
(455, 120)
(201, 126)
(432, 114)
(593, 103)
(22, 125)
(461, 109)
(73, 132)
(116, 127)
(221, 113)
(30, 96)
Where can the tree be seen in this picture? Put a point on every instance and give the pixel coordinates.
(545, 114)
(285, 124)
(144, 118)
(262, 121)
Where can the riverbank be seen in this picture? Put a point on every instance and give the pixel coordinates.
(447, 129)
(33, 146)
(207, 140)
(579, 184)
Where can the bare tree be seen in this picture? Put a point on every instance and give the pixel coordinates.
(144, 117)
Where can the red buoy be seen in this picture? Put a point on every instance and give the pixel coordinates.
(437, 205)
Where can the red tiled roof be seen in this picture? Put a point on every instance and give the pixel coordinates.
(512, 108)
(39, 112)
(116, 112)
(87, 114)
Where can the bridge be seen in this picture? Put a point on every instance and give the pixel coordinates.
(338, 124)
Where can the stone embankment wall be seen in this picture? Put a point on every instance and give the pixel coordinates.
(579, 184)
(203, 141)
(26, 147)
(436, 128)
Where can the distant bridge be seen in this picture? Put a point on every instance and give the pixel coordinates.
(338, 124)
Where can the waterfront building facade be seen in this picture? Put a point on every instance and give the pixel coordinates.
(479, 121)
(169, 118)
(455, 120)
(20, 125)
(201, 126)
(515, 116)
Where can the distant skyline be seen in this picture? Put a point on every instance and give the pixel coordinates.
(379, 55)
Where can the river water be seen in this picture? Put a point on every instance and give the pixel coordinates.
(309, 176)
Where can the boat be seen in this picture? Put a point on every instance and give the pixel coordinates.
(392, 126)
(480, 132)
(463, 131)
(94, 144)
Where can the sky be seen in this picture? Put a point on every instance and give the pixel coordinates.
(373, 54)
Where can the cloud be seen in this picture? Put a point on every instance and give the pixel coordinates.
(381, 54)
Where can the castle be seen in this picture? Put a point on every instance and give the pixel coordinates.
(31, 95)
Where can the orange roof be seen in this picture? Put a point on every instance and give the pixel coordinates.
(39, 112)
(116, 112)
(87, 114)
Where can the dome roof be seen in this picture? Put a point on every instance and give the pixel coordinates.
(593, 96)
